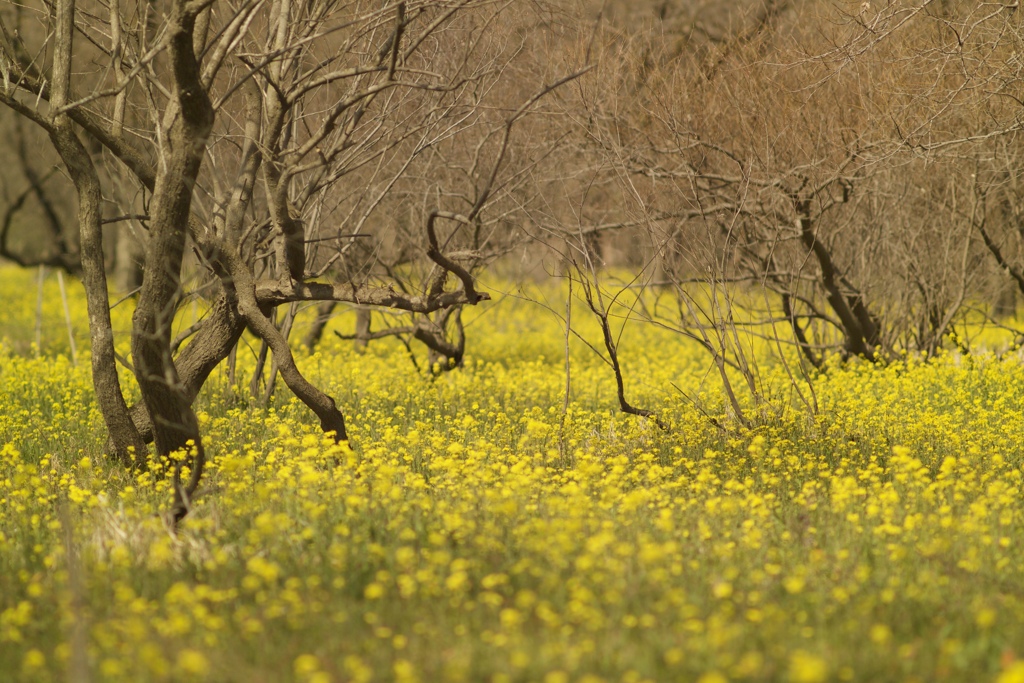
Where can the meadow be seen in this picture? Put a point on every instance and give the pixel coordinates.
(481, 528)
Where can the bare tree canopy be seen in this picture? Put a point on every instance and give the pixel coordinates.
(300, 151)
(838, 178)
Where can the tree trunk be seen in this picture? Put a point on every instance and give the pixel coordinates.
(126, 443)
(212, 343)
(363, 319)
(190, 119)
(316, 330)
(859, 326)
(129, 257)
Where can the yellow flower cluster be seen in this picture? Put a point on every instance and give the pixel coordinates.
(480, 528)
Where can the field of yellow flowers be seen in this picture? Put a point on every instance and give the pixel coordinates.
(480, 529)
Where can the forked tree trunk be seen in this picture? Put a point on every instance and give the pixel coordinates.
(860, 328)
(190, 119)
(213, 342)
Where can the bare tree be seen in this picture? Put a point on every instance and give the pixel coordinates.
(836, 183)
(279, 143)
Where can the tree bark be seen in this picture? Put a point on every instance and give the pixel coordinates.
(190, 119)
(212, 343)
(129, 256)
(323, 315)
(127, 444)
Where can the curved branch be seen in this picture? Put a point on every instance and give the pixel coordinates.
(331, 419)
(434, 252)
(270, 293)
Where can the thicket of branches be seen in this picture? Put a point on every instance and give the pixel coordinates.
(840, 178)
